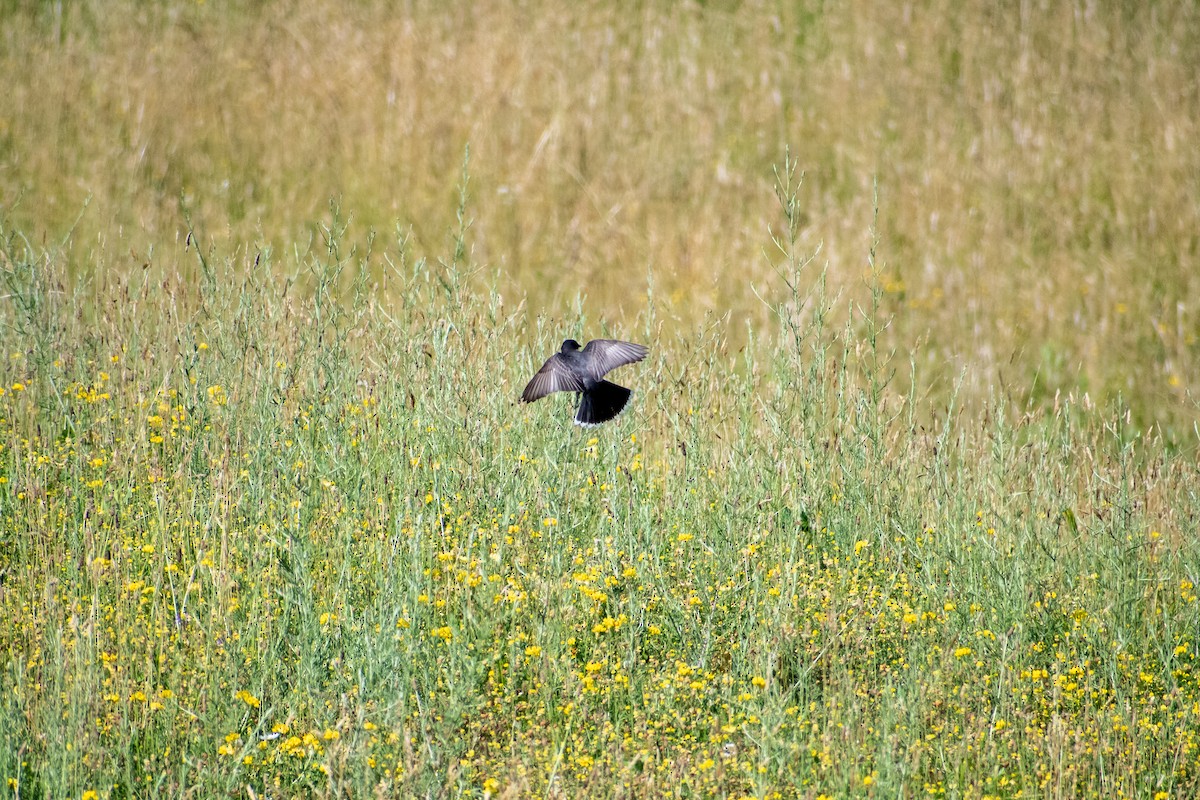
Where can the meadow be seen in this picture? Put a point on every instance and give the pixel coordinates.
(905, 503)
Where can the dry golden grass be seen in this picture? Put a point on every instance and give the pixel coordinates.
(1037, 177)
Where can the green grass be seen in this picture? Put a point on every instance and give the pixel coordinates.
(905, 503)
(286, 532)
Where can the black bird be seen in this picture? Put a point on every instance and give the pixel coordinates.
(581, 370)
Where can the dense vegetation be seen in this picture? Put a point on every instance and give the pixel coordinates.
(912, 513)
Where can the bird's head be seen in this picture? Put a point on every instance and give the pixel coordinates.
(569, 345)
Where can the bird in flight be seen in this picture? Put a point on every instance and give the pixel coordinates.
(581, 370)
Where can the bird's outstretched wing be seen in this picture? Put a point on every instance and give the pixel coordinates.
(554, 376)
(608, 354)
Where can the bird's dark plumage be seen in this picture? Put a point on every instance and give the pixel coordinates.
(582, 370)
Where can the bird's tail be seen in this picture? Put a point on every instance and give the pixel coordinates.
(601, 403)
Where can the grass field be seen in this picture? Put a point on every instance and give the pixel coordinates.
(905, 503)
(1038, 214)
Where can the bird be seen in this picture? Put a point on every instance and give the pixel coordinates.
(581, 370)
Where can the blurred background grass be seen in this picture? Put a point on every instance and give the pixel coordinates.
(1038, 182)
